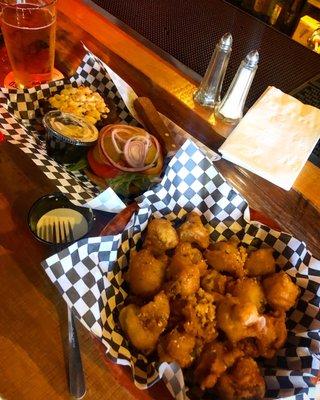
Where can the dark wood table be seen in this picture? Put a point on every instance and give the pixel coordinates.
(33, 329)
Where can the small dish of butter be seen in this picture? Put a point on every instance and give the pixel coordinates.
(54, 209)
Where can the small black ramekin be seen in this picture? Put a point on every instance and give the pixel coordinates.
(50, 202)
(64, 149)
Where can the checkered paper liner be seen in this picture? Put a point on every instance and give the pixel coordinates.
(21, 110)
(89, 275)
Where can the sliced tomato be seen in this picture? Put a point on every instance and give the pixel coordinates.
(101, 170)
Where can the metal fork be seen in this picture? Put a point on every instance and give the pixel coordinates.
(60, 233)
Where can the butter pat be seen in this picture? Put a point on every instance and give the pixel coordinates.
(275, 138)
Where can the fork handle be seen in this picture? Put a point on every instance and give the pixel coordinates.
(77, 385)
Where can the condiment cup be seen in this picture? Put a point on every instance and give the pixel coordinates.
(51, 202)
(66, 149)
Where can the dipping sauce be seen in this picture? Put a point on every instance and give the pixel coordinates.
(79, 224)
(71, 126)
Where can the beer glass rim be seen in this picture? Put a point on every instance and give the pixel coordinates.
(4, 4)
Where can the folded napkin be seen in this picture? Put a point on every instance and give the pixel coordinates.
(275, 138)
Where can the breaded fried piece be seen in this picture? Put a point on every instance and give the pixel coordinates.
(214, 282)
(177, 347)
(281, 293)
(227, 257)
(238, 320)
(249, 347)
(270, 339)
(260, 262)
(248, 290)
(200, 313)
(185, 254)
(193, 231)
(161, 236)
(243, 382)
(184, 280)
(143, 325)
(214, 360)
(146, 273)
(267, 340)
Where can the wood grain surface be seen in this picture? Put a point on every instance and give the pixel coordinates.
(33, 328)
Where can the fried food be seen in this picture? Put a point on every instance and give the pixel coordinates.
(281, 293)
(161, 236)
(214, 282)
(214, 360)
(177, 347)
(248, 290)
(249, 347)
(193, 231)
(185, 254)
(239, 320)
(269, 339)
(183, 280)
(273, 336)
(214, 317)
(143, 325)
(227, 257)
(146, 273)
(200, 313)
(243, 382)
(260, 262)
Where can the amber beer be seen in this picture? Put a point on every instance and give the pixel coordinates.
(29, 33)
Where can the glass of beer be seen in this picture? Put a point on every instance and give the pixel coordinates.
(28, 27)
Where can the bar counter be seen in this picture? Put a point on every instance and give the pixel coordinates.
(33, 316)
(171, 91)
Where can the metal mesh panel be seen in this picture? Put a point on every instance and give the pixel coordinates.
(189, 29)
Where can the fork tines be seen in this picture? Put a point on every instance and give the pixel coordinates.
(57, 231)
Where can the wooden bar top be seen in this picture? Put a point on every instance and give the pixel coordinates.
(33, 316)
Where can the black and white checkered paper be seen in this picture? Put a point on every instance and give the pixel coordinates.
(21, 110)
(89, 275)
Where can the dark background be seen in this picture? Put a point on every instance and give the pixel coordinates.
(188, 30)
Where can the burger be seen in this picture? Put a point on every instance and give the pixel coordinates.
(127, 157)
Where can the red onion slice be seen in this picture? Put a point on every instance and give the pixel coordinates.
(135, 149)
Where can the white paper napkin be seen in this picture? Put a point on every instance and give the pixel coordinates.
(275, 137)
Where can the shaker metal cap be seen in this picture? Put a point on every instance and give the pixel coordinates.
(225, 42)
(252, 58)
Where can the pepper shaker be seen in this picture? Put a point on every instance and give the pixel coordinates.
(208, 94)
(230, 110)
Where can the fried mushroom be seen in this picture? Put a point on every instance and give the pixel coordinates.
(238, 320)
(193, 231)
(177, 347)
(214, 282)
(185, 254)
(200, 313)
(183, 280)
(143, 325)
(260, 262)
(273, 336)
(161, 236)
(227, 257)
(146, 273)
(243, 382)
(281, 293)
(248, 290)
(214, 360)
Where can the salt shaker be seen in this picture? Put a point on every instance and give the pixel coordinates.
(208, 94)
(230, 110)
